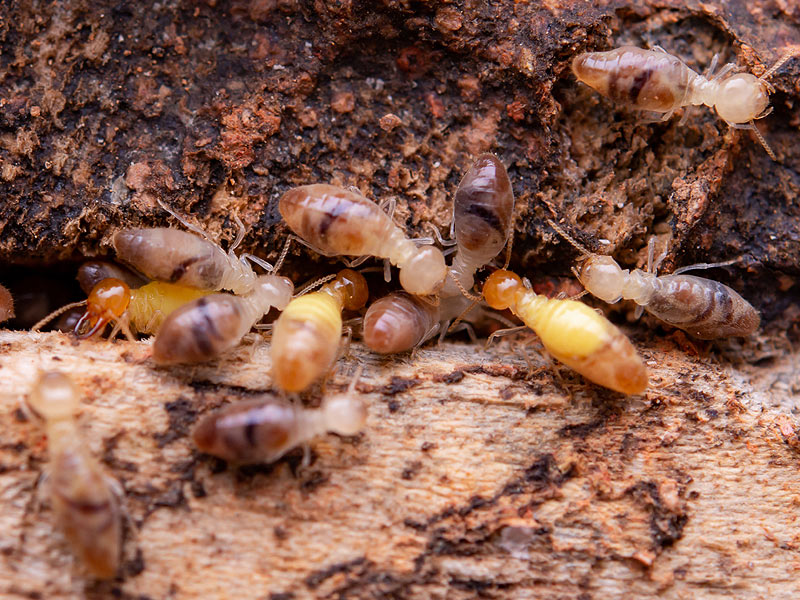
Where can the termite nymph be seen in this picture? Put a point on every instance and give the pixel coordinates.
(573, 333)
(204, 328)
(190, 259)
(338, 222)
(656, 81)
(262, 430)
(399, 322)
(702, 307)
(83, 498)
(142, 310)
(307, 334)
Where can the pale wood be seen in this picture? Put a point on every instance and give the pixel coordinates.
(422, 504)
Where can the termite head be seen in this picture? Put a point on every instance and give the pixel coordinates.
(742, 98)
(602, 277)
(54, 397)
(501, 289)
(424, 273)
(277, 289)
(344, 414)
(107, 301)
(354, 287)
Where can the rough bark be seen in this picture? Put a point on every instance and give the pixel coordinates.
(473, 478)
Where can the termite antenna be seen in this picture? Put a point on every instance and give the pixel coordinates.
(510, 242)
(780, 62)
(284, 252)
(572, 241)
(240, 232)
(183, 221)
(463, 314)
(56, 313)
(464, 292)
(763, 141)
(314, 285)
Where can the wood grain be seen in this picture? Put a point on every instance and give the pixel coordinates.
(473, 478)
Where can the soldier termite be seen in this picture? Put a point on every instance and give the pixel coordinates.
(572, 333)
(204, 328)
(702, 307)
(185, 258)
(262, 430)
(6, 304)
(338, 222)
(656, 81)
(84, 499)
(306, 336)
(482, 220)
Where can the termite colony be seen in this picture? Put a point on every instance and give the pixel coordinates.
(198, 301)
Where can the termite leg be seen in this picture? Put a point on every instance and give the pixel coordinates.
(387, 270)
(352, 264)
(239, 233)
(388, 205)
(259, 261)
(443, 242)
(464, 326)
(504, 332)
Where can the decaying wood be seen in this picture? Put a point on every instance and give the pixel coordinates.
(473, 478)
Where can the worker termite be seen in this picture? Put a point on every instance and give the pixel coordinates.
(185, 258)
(84, 499)
(338, 222)
(482, 220)
(6, 304)
(702, 307)
(262, 430)
(572, 333)
(204, 328)
(141, 310)
(306, 336)
(656, 81)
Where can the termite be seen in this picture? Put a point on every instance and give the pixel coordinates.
(84, 498)
(262, 430)
(654, 80)
(338, 222)
(572, 333)
(204, 328)
(190, 259)
(704, 308)
(141, 310)
(6, 304)
(307, 334)
(483, 209)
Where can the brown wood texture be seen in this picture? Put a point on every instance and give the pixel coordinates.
(473, 478)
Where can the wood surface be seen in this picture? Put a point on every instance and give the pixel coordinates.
(475, 477)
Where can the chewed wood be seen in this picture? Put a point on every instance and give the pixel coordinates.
(689, 491)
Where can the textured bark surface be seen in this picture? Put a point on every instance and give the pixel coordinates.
(471, 479)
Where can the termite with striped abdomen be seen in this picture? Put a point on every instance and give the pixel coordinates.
(338, 222)
(262, 430)
(307, 334)
(656, 81)
(84, 499)
(204, 328)
(573, 333)
(702, 307)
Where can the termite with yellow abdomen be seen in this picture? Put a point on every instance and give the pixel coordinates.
(704, 308)
(140, 310)
(573, 333)
(262, 430)
(654, 80)
(84, 499)
(306, 336)
(338, 222)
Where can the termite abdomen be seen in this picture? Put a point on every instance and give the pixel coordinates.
(398, 322)
(705, 308)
